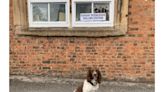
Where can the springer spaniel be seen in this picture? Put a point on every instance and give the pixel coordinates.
(91, 84)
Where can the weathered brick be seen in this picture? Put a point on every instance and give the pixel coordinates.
(46, 62)
(129, 57)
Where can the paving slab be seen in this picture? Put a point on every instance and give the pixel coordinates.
(23, 84)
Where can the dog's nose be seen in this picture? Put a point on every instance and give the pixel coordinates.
(95, 74)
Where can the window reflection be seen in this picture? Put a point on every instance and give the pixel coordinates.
(57, 11)
(102, 8)
(40, 12)
(82, 8)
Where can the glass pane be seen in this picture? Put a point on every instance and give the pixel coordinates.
(82, 8)
(40, 11)
(102, 8)
(57, 12)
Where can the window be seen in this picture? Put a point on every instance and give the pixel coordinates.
(85, 13)
(91, 18)
(48, 13)
(93, 13)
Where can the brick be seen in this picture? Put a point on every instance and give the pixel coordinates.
(46, 62)
(129, 57)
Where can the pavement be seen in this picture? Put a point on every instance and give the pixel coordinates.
(42, 84)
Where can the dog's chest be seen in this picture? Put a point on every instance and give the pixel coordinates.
(87, 87)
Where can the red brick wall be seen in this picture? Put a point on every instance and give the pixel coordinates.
(129, 57)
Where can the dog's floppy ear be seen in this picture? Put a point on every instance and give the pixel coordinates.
(89, 75)
(99, 76)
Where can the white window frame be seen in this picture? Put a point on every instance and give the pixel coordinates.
(65, 23)
(93, 24)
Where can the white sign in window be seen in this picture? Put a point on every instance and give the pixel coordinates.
(93, 13)
(48, 13)
(92, 17)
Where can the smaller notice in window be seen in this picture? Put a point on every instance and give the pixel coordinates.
(92, 17)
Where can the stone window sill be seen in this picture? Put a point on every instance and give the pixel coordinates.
(80, 32)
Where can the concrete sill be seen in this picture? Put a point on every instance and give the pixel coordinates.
(79, 32)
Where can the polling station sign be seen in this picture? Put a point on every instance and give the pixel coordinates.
(87, 17)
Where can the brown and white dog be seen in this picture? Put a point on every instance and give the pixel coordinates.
(91, 84)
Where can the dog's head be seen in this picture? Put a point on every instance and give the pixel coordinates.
(94, 76)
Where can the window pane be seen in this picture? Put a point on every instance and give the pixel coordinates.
(82, 8)
(57, 11)
(102, 8)
(40, 12)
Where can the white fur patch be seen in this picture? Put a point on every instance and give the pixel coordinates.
(87, 87)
